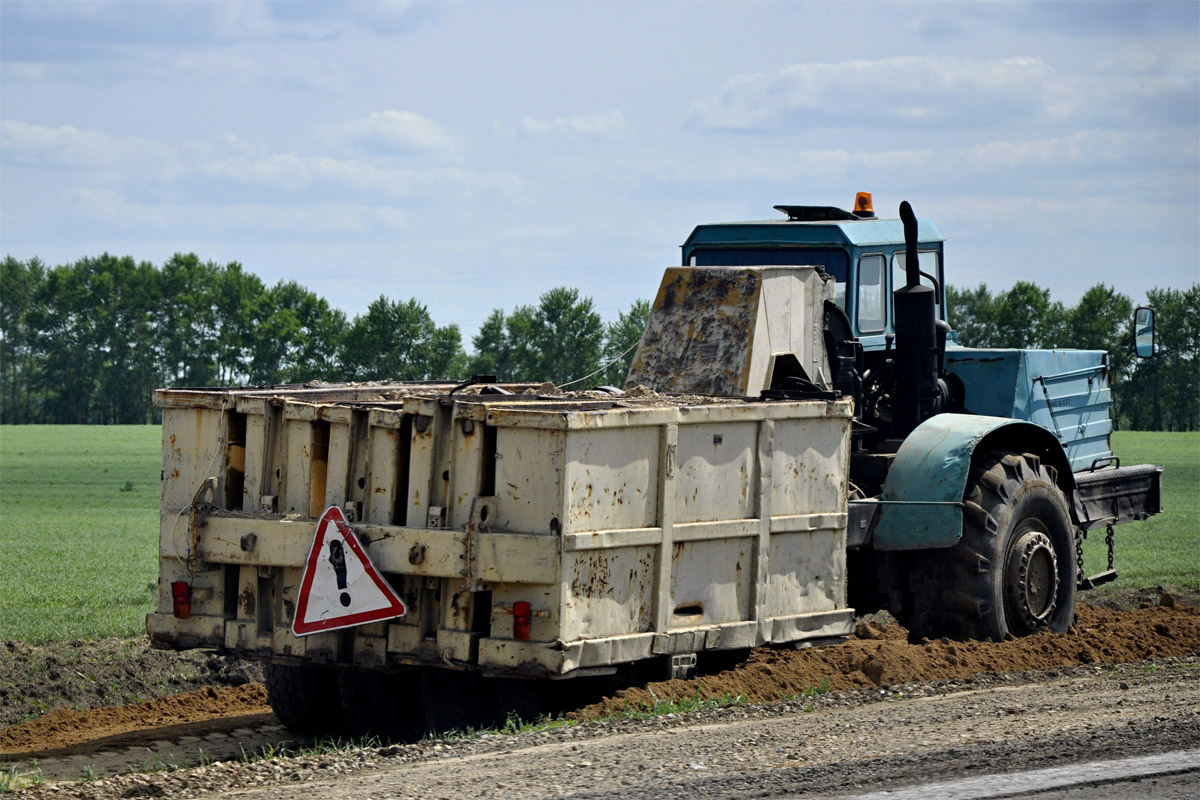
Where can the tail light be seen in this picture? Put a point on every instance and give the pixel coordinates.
(181, 599)
(522, 616)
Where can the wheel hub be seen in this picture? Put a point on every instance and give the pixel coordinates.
(1031, 580)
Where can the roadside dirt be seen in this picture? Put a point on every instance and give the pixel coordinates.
(882, 656)
(36, 680)
(828, 745)
(878, 655)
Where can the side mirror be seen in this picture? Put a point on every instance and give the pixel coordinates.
(1143, 332)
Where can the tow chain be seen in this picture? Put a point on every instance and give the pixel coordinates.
(1080, 535)
(1080, 576)
(1108, 540)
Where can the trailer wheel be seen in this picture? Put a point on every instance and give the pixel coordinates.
(383, 704)
(305, 698)
(1013, 570)
(456, 700)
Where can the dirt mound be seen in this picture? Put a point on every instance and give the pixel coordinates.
(877, 655)
(38, 679)
(882, 656)
(63, 727)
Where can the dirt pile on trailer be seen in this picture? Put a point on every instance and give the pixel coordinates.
(882, 656)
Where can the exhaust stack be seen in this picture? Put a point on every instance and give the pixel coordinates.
(919, 392)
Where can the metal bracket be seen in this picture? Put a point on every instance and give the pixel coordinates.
(683, 665)
(202, 505)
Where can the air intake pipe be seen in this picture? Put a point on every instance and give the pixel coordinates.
(920, 393)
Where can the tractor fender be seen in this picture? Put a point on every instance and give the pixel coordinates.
(921, 504)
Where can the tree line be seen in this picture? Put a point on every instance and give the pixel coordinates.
(89, 341)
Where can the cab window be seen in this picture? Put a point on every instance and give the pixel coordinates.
(927, 260)
(872, 293)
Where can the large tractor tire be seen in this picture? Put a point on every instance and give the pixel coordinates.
(383, 704)
(1013, 571)
(305, 698)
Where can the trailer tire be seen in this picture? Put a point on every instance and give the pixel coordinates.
(455, 700)
(1013, 571)
(305, 698)
(382, 704)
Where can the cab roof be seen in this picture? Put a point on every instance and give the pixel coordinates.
(810, 225)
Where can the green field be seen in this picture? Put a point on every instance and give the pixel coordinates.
(78, 530)
(79, 527)
(1164, 549)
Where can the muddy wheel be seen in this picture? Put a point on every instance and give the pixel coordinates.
(382, 704)
(459, 700)
(305, 698)
(1013, 571)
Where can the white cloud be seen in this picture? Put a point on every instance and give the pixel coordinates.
(252, 65)
(1138, 86)
(904, 89)
(1097, 155)
(68, 146)
(390, 133)
(295, 173)
(601, 125)
(246, 19)
(113, 209)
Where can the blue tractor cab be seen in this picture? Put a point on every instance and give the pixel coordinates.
(864, 254)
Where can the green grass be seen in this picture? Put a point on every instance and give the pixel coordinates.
(1164, 549)
(674, 705)
(79, 527)
(13, 780)
(78, 530)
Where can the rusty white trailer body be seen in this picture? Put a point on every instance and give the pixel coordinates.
(634, 528)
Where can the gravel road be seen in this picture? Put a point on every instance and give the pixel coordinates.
(841, 743)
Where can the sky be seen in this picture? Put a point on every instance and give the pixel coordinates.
(474, 155)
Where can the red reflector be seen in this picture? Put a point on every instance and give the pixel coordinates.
(181, 599)
(522, 616)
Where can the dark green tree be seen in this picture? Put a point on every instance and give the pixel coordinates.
(238, 298)
(398, 341)
(558, 340)
(1026, 317)
(187, 320)
(971, 313)
(567, 336)
(621, 337)
(1163, 392)
(20, 360)
(493, 351)
(297, 337)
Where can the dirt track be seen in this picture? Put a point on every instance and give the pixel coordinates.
(879, 656)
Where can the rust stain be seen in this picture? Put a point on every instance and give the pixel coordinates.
(248, 601)
(593, 576)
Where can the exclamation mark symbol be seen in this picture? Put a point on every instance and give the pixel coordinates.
(337, 559)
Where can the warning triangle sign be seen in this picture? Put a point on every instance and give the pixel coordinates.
(340, 587)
